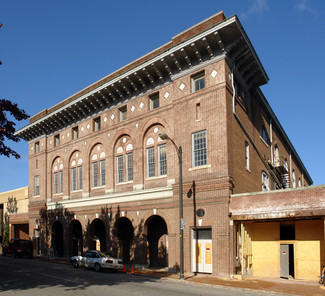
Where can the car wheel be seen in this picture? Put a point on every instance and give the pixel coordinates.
(75, 264)
(97, 267)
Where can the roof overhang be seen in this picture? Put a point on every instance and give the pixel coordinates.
(226, 38)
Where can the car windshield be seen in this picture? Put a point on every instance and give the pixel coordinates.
(103, 254)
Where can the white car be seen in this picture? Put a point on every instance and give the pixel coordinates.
(97, 260)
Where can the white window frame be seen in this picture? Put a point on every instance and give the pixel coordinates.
(162, 160)
(247, 163)
(102, 172)
(119, 169)
(36, 186)
(293, 179)
(198, 82)
(73, 179)
(154, 98)
(123, 113)
(201, 150)
(265, 181)
(79, 172)
(96, 124)
(151, 166)
(129, 167)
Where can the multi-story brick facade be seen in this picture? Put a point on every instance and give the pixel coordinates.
(101, 176)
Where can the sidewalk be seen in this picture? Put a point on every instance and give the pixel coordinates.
(289, 287)
(274, 285)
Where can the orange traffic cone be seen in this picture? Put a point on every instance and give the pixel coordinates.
(132, 269)
(124, 270)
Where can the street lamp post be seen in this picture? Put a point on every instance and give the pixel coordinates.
(164, 136)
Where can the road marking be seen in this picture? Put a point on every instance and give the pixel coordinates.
(58, 278)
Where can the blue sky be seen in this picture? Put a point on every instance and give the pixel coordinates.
(52, 49)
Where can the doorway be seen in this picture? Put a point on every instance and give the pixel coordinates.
(287, 268)
(202, 250)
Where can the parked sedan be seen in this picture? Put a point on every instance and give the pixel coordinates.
(97, 260)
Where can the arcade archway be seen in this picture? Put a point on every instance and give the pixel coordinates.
(57, 239)
(157, 237)
(97, 236)
(75, 238)
(125, 236)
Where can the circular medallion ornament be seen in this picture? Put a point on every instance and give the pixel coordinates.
(200, 212)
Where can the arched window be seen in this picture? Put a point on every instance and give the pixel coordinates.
(276, 156)
(124, 159)
(98, 166)
(265, 181)
(156, 153)
(57, 171)
(76, 171)
(293, 179)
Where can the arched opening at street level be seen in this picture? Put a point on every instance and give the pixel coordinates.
(125, 236)
(97, 236)
(157, 242)
(57, 239)
(75, 238)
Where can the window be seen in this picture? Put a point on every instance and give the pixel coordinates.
(150, 162)
(299, 182)
(36, 185)
(199, 148)
(263, 134)
(276, 156)
(98, 176)
(79, 177)
(58, 182)
(119, 164)
(95, 174)
(265, 181)
(76, 178)
(198, 111)
(102, 173)
(154, 101)
(198, 82)
(162, 161)
(73, 179)
(287, 231)
(286, 164)
(246, 155)
(75, 133)
(57, 140)
(123, 113)
(37, 147)
(293, 179)
(129, 167)
(96, 123)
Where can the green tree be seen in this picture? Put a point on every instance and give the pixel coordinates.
(5, 238)
(7, 127)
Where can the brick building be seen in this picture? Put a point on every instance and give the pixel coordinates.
(100, 176)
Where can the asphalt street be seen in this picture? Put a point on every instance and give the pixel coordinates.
(19, 276)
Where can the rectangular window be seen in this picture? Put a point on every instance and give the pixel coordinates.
(36, 185)
(119, 164)
(154, 101)
(61, 182)
(162, 163)
(287, 231)
(79, 177)
(56, 140)
(198, 82)
(95, 174)
(102, 172)
(37, 147)
(75, 133)
(96, 123)
(199, 144)
(129, 167)
(150, 162)
(55, 183)
(123, 113)
(246, 155)
(73, 179)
